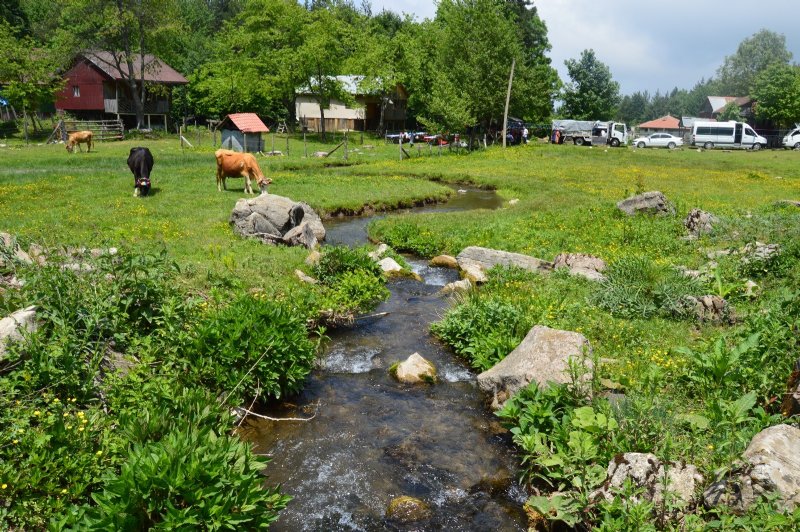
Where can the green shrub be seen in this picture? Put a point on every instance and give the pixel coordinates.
(635, 287)
(410, 237)
(336, 261)
(482, 329)
(253, 347)
(192, 478)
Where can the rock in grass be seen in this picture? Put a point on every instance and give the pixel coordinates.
(475, 260)
(378, 252)
(646, 472)
(413, 370)
(270, 214)
(791, 399)
(407, 509)
(708, 308)
(14, 325)
(581, 264)
(304, 277)
(770, 466)
(653, 202)
(699, 222)
(542, 357)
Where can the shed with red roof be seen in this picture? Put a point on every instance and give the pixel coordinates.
(242, 132)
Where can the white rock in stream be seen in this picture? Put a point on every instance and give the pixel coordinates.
(414, 369)
(378, 252)
(389, 265)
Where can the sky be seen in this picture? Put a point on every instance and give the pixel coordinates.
(649, 44)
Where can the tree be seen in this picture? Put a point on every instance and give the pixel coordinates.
(128, 30)
(592, 94)
(251, 66)
(633, 109)
(754, 55)
(777, 94)
(326, 43)
(27, 71)
(730, 112)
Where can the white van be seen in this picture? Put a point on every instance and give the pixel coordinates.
(792, 139)
(726, 135)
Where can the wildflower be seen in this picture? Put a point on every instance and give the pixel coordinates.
(710, 447)
(15, 442)
(64, 490)
(4, 486)
(98, 453)
(80, 429)
(36, 413)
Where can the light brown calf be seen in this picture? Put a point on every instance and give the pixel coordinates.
(77, 138)
(235, 164)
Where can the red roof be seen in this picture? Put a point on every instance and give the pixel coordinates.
(665, 122)
(155, 70)
(246, 123)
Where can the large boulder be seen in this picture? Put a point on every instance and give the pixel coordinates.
(270, 217)
(464, 285)
(413, 370)
(699, 222)
(581, 264)
(14, 325)
(646, 472)
(770, 466)
(653, 202)
(542, 357)
(474, 261)
(302, 235)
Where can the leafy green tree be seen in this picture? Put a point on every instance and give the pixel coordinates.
(754, 55)
(251, 65)
(592, 93)
(730, 112)
(27, 71)
(633, 109)
(326, 43)
(777, 94)
(127, 29)
(13, 13)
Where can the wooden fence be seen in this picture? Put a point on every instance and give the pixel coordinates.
(103, 129)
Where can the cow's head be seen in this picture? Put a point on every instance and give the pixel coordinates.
(70, 147)
(262, 184)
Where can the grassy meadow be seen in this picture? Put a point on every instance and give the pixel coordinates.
(692, 391)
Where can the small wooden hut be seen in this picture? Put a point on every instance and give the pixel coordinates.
(242, 132)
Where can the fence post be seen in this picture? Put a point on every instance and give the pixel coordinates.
(345, 145)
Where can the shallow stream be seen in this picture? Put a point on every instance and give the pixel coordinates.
(372, 439)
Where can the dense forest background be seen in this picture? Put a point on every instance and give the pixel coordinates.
(253, 55)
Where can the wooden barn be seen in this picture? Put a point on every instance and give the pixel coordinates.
(242, 132)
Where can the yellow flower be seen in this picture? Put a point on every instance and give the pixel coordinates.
(80, 429)
(98, 453)
(36, 413)
(15, 442)
(64, 490)
(4, 486)
(710, 447)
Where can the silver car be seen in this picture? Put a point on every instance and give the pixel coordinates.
(658, 140)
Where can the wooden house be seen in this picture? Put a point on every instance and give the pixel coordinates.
(364, 115)
(665, 124)
(242, 132)
(95, 89)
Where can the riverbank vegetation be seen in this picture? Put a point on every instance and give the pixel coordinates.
(192, 309)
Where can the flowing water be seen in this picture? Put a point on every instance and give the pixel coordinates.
(372, 439)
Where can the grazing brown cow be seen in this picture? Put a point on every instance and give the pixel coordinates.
(235, 164)
(77, 138)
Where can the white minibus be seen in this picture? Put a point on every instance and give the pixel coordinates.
(726, 135)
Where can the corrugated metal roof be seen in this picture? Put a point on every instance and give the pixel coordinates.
(155, 70)
(665, 122)
(246, 123)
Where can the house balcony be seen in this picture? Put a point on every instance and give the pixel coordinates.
(125, 106)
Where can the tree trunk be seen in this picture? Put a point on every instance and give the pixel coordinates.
(381, 131)
(322, 121)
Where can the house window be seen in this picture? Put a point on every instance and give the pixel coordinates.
(76, 91)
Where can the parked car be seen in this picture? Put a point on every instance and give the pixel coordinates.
(792, 139)
(658, 140)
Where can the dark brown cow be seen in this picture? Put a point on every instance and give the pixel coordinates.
(235, 164)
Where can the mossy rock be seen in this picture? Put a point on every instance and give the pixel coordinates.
(407, 509)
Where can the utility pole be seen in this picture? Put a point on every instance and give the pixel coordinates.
(508, 97)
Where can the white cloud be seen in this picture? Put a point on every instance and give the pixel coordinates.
(650, 45)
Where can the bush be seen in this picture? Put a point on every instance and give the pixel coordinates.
(336, 261)
(253, 347)
(192, 478)
(635, 287)
(409, 237)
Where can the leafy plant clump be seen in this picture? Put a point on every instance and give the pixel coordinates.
(97, 427)
(636, 287)
(253, 347)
